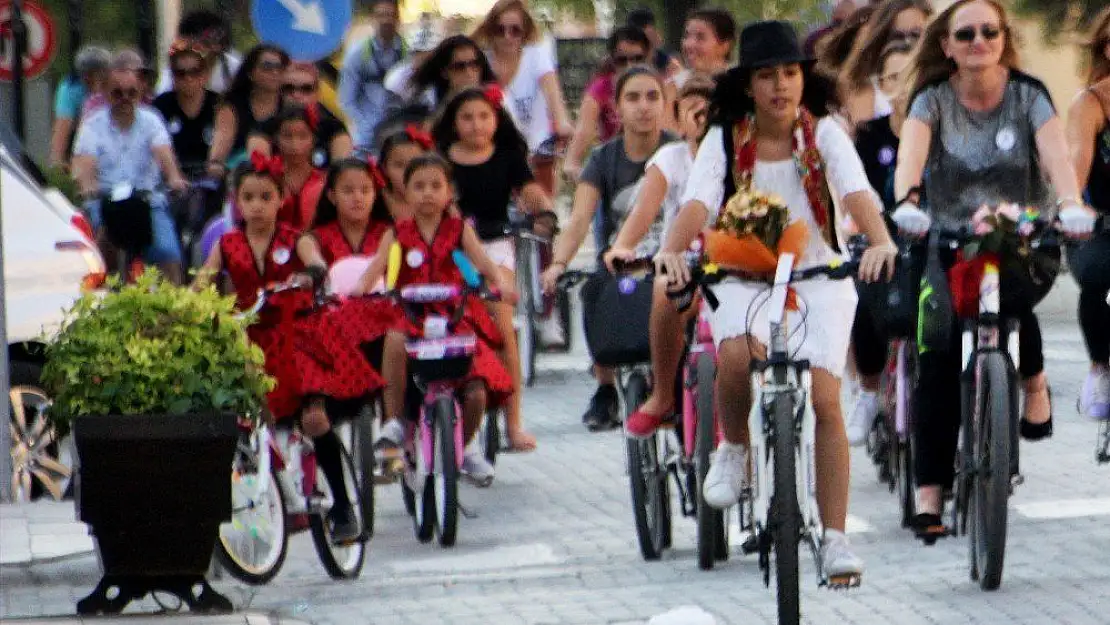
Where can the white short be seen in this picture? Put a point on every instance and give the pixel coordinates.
(820, 331)
(502, 252)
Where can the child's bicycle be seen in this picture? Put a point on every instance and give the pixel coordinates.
(278, 488)
(438, 362)
(781, 509)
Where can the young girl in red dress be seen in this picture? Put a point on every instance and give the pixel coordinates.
(310, 355)
(398, 150)
(303, 183)
(427, 241)
(350, 223)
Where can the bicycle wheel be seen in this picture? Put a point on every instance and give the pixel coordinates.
(445, 479)
(341, 561)
(785, 516)
(362, 453)
(526, 335)
(904, 441)
(253, 545)
(648, 480)
(710, 520)
(991, 490)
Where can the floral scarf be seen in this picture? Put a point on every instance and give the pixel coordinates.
(807, 159)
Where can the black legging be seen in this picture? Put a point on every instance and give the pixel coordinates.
(869, 344)
(1090, 264)
(937, 412)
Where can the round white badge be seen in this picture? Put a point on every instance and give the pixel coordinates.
(175, 126)
(414, 258)
(1005, 139)
(319, 158)
(281, 255)
(886, 155)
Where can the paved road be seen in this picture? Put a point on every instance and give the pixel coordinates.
(554, 544)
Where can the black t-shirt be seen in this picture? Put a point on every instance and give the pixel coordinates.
(878, 149)
(192, 136)
(485, 190)
(329, 126)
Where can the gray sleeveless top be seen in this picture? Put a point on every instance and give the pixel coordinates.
(985, 157)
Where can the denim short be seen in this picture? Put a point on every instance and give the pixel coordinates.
(165, 247)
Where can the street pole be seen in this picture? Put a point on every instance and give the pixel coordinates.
(19, 36)
(19, 44)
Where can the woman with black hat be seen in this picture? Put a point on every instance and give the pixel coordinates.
(771, 132)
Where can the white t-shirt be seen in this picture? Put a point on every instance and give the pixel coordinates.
(219, 81)
(674, 162)
(843, 170)
(524, 96)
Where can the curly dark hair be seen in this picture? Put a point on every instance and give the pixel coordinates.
(431, 72)
(240, 90)
(507, 136)
(731, 100)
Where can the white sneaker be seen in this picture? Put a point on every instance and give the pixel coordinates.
(727, 476)
(551, 331)
(862, 417)
(1094, 402)
(391, 436)
(477, 469)
(837, 557)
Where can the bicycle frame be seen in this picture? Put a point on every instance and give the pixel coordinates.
(702, 344)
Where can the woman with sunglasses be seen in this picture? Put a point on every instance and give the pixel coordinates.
(189, 109)
(526, 71)
(254, 98)
(301, 89)
(456, 64)
(1089, 140)
(988, 134)
(894, 20)
(597, 116)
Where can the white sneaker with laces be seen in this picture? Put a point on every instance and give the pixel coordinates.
(862, 417)
(476, 468)
(837, 557)
(727, 476)
(391, 436)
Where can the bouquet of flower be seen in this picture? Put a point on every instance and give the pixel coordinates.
(1004, 229)
(752, 230)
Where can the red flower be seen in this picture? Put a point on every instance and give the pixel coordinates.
(494, 95)
(375, 173)
(262, 164)
(419, 136)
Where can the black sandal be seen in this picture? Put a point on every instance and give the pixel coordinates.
(1038, 431)
(928, 528)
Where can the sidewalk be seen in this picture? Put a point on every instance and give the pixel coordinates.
(159, 619)
(40, 532)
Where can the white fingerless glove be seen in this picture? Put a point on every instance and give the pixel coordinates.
(911, 219)
(1077, 221)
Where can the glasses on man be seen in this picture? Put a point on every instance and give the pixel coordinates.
(188, 72)
(967, 34)
(629, 59)
(510, 31)
(120, 94)
(462, 66)
(306, 88)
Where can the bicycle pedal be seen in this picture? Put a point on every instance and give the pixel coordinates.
(751, 545)
(845, 582)
(1017, 480)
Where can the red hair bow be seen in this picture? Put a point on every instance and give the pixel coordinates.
(494, 95)
(375, 173)
(419, 136)
(273, 165)
(312, 114)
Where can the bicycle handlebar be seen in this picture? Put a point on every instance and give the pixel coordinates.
(416, 295)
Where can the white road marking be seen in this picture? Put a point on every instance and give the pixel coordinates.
(1065, 508)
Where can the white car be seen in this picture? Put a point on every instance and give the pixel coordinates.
(49, 258)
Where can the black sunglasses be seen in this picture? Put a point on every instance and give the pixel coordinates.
(906, 35)
(184, 72)
(632, 59)
(271, 66)
(306, 88)
(967, 33)
(461, 66)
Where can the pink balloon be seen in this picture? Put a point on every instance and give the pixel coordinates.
(345, 274)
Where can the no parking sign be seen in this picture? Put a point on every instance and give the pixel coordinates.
(40, 40)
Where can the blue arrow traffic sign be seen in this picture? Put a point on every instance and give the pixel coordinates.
(308, 30)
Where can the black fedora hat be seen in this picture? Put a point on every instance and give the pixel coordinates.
(769, 43)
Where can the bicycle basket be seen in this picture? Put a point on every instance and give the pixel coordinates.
(893, 305)
(127, 223)
(434, 360)
(615, 313)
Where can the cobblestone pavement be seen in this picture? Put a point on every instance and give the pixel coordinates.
(554, 543)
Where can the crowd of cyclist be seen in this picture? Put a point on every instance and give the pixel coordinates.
(900, 119)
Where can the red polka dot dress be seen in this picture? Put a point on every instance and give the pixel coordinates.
(308, 353)
(365, 320)
(424, 263)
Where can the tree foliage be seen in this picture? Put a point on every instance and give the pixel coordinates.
(1058, 17)
(797, 11)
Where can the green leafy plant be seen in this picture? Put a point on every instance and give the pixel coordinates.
(154, 348)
